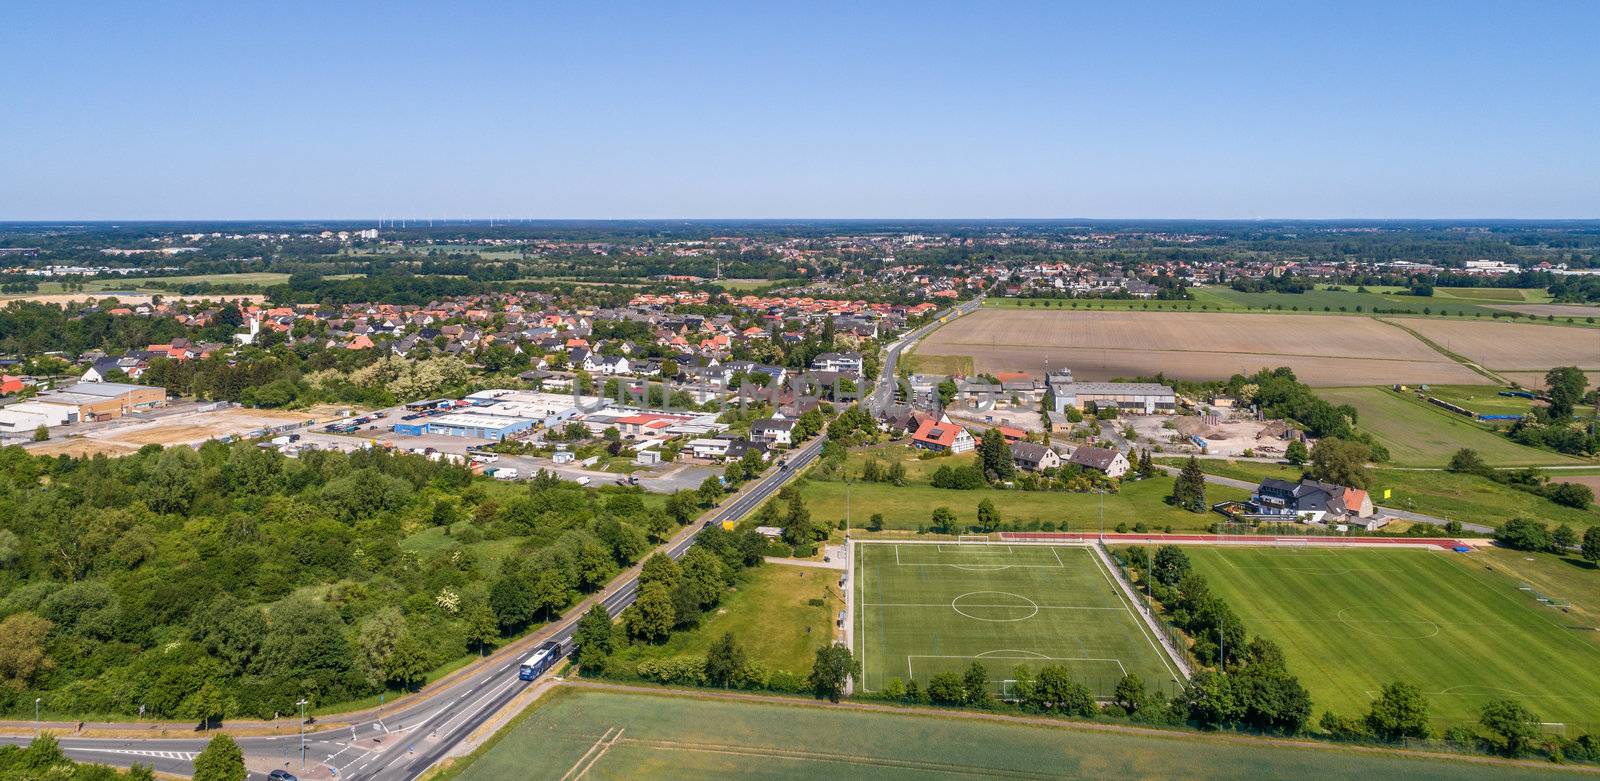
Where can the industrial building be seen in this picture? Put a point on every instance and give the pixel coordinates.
(1146, 398)
(468, 424)
(81, 403)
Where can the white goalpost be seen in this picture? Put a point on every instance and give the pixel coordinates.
(972, 539)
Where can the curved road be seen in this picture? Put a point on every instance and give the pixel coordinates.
(401, 742)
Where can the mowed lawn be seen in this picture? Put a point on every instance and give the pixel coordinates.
(1352, 620)
(1421, 434)
(908, 507)
(677, 736)
(1466, 498)
(925, 609)
(769, 614)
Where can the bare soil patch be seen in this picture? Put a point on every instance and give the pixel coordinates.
(1513, 346)
(1328, 351)
(80, 448)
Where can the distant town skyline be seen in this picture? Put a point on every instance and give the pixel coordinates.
(725, 111)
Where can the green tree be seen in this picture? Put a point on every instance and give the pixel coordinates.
(408, 666)
(947, 393)
(594, 638)
(705, 577)
(1296, 453)
(975, 682)
(710, 491)
(1209, 700)
(798, 528)
(832, 671)
(875, 523)
(483, 633)
(988, 516)
(1591, 544)
(725, 662)
(41, 434)
(1400, 711)
(1468, 461)
(1341, 462)
(994, 456)
(651, 617)
(1130, 694)
(22, 650)
(660, 568)
(944, 521)
(947, 689)
(1563, 537)
(1564, 387)
(1189, 487)
(1171, 565)
(1147, 466)
(1512, 726)
(1524, 534)
(220, 760)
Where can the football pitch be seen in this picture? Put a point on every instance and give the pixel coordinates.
(922, 609)
(1352, 620)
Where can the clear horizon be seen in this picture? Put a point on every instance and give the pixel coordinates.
(1365, 111)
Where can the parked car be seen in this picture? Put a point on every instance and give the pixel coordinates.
(282, 775)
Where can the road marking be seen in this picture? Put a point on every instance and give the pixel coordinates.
(187, 756)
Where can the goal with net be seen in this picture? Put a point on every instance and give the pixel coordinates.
(973, 538)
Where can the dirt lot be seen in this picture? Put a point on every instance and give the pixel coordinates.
(182, 429)
(1228, 437)
(1513, 345)
(82, 448)
(1329, 351)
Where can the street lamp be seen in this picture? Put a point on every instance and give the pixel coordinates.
(36, 701)
(302, 704)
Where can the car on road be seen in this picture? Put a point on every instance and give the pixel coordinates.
(282, 775)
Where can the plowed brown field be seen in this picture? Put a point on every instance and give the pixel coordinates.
(1328, 351)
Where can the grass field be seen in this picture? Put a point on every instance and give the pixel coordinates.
(599, 734)
(1483, 399)
(925, 609)
(1466, 498)
(909, 506)
(1421, 434)
(143, 284)
(1352, 620)
(770, 616)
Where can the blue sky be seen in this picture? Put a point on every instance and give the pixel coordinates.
(574, 110)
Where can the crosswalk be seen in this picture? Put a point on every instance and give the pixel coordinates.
(187, 756)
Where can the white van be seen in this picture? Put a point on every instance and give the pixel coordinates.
(505, 474)
(584, 480)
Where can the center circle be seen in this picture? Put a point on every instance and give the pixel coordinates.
(995, 606)
(1387, 623)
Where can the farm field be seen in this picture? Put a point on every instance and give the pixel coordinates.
(1322, 300)
(671, 736)
(1100, 345)
(908, 507)
(1512, 346)
(1559, 311)
(1351, 620)
(1508, 295)
(922, 609)
(1421, 434)
(768, 614)
(1447, 495)
(98, 287)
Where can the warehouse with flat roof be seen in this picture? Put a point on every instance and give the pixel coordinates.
(476, 424)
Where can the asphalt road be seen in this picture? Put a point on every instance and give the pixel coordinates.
(399, 744)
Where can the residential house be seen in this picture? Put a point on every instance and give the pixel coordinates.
(941, 434)
(1311, 501)
(1034, 457)
(1101, 459)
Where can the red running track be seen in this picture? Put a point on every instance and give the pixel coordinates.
(1439, 542)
